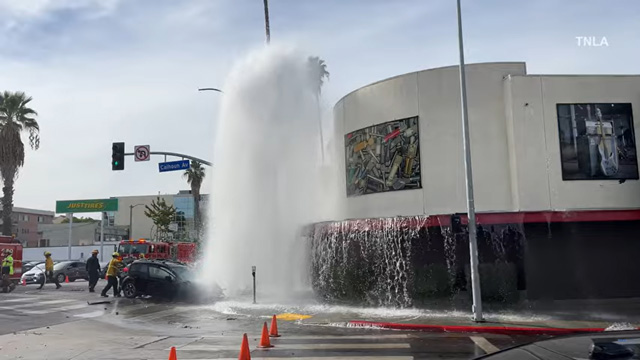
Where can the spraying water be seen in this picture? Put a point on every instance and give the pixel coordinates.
(268, 183)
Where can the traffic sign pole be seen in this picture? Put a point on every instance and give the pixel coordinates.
(184, 156)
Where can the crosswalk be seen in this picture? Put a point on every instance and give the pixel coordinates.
(22, 311)
(17, 307)
(331, 347)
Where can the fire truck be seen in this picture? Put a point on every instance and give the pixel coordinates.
(8, 242)
(131, 250)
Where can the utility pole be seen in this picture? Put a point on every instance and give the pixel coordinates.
(70, 217)
(130, 222)
(104, 215)
(266, 20)
(473, 242)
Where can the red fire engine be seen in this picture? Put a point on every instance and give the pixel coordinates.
(8, 242)
(133, 249)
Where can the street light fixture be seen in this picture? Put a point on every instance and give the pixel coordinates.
(131, 220)
(210, 89)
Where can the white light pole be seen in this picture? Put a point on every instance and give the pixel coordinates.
(104, 215)
(70, 217)
(473, 242)
(266, 21)
(131, 220)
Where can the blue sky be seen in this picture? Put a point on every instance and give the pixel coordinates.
(107, 70)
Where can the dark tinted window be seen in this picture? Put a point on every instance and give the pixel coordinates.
(137, 269)
(157, 272)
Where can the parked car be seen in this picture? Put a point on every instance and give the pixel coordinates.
(28, 265)
(158, 278)
(103, 269)
(33, 275)
(73, 269)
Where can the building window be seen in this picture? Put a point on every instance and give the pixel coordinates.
(184, 205)
(44, 242)
(25, 217)
(110, 218)
(40, 219)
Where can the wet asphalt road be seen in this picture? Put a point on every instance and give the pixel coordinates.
(34, 323)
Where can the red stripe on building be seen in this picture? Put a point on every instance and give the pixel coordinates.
(487, 219)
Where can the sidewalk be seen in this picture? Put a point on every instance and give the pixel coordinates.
(550, 318)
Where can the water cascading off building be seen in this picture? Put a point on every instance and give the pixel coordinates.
(555, 175)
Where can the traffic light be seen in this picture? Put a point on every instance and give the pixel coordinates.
(117, 156)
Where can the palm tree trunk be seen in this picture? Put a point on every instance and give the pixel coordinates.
(196, 211)
(320, 127)
(7, 201)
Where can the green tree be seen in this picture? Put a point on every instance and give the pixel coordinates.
(80, 220)
(318, 72)
(15, 117)
(195, 175)
(161, 214)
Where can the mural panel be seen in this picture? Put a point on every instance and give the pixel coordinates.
(597, 141)
(383, 157)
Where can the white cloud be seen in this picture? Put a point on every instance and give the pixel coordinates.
(36, 8)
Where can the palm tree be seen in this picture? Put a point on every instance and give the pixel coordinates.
(15, 117)
(195, 176)
(318, 73)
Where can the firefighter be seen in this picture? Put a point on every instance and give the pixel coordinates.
(48, 268)
(112, 275)
(141, 257)
(93, 269)
(7, 271)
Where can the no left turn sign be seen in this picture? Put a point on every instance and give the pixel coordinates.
(142, 152)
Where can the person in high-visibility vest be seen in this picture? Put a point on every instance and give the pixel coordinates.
(112, 275)
(7, 270)
(48, 268)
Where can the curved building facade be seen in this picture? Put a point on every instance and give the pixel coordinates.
(555, 174)
(535, 142)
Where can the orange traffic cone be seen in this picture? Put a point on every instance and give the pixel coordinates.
(66, 279)
(273, 332)
(264, 340)
(172, 354)
(245, 353)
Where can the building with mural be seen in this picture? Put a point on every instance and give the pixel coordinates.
(555, 175)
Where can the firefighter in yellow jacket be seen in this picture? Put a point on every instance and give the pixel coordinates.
(7, 271)
(48, 269)
(112, 275)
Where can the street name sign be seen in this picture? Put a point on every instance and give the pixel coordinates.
(78, 206)
(174, 165)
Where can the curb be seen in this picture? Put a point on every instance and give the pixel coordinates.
(504, 330)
